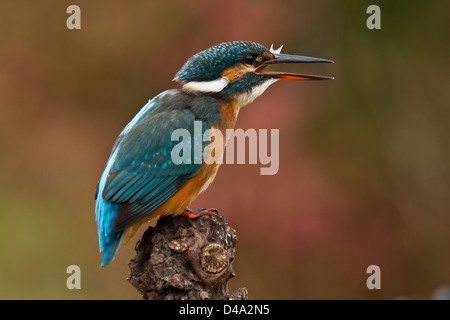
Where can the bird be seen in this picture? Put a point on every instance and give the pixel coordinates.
(140, 181)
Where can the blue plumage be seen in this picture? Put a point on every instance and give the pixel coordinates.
(210, 63)
(105, 213)
(140, 175)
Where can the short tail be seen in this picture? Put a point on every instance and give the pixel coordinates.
(109, 241)
(110, 248)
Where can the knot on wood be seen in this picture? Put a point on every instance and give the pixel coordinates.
(213, 258)
(183, 258)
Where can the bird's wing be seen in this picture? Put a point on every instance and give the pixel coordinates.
(143, 175)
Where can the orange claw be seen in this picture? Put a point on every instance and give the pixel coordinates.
(196, 214)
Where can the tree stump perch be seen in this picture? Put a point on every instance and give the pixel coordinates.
(182, 258)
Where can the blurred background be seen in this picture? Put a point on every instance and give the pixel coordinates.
(364, 174)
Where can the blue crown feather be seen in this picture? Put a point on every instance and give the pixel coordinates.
(210, 63)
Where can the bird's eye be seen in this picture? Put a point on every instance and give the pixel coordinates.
(250, 59)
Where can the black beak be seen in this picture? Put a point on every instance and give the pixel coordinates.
(288, 58)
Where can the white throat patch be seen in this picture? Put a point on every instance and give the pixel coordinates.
(247, 97)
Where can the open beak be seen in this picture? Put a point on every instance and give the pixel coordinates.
(288, 58)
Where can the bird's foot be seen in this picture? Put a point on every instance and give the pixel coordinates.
(200, 213)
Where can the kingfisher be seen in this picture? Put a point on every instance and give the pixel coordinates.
(140, 181)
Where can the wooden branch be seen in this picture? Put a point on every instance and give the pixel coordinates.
(183, 258)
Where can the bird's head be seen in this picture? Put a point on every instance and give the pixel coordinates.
(235, 70)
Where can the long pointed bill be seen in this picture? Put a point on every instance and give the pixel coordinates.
(288, 58)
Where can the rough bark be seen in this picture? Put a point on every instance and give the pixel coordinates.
(183, 258)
